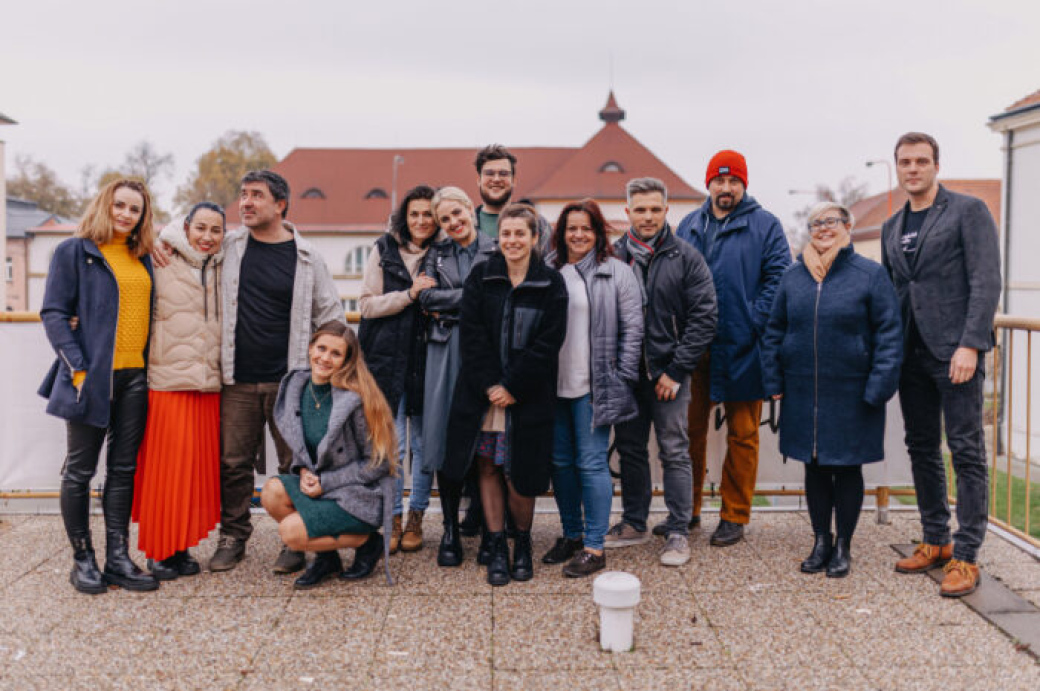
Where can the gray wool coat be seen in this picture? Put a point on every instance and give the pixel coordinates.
(616, 312)
(442, 303)
(342, 463)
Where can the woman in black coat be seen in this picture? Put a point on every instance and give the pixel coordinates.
(832, 350)
(512, 324)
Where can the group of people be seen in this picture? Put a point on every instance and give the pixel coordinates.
(496, 353)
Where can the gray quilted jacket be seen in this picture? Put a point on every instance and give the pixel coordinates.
(616, 309)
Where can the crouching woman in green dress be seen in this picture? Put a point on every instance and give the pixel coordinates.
(339, 489)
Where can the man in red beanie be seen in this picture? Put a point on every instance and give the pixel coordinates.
(747, 253)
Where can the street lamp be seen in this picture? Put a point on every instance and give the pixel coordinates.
(888, 165)
(398, 159)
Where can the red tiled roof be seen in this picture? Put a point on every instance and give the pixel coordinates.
(581, 175)
(1029, 100)
(871, 212)
(346, 176)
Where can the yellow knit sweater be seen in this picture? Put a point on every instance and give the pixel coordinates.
(135, 303)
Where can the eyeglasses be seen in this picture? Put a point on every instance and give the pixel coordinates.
(828, 223)
(496, 173)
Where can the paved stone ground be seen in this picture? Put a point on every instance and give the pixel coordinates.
(735, 618)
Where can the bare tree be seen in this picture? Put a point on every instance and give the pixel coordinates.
(848, 191)
(35, 181)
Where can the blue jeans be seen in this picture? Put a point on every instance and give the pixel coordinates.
(581, 476)
(411, 427)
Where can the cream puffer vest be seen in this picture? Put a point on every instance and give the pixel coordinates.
(184, 354)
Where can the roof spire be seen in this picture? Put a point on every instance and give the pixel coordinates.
(611, 112)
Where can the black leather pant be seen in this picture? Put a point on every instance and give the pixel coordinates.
(124, 433)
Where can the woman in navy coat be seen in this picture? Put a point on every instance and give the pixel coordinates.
(832, 351)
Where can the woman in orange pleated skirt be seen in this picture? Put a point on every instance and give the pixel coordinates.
(177, 486)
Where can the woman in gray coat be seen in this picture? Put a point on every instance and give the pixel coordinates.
(340, 486)
(599, 365)
(448, 262)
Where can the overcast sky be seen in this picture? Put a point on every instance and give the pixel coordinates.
(807, 90)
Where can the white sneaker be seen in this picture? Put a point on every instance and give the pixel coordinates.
(676, 550)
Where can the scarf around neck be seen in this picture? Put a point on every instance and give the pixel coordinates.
(818, 263)
(642, 251)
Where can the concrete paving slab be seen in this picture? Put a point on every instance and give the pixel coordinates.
(582, 680)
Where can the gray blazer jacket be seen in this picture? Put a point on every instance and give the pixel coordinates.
(953, 289)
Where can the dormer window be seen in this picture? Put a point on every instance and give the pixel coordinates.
(313, 193)
(377, 193)
(611, 167)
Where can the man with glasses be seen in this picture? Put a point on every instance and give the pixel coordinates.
(496, 177)
(747, 252)
(942, 253)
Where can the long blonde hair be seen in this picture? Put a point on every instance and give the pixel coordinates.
(97, 225)
(355, 376)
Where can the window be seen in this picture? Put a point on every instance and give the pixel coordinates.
(9, 270)
(350, 304)
(377, 193)
(313, 193)
(611, 167)
(356, 259)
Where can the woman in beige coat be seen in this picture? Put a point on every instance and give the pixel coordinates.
(177, 495)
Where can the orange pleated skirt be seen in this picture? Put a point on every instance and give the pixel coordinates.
(177, 486)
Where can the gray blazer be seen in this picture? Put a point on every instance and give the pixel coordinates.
(954, 287)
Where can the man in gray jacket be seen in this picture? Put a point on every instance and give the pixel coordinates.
(942, 253)
(276, 291)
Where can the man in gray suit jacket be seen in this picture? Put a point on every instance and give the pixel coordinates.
(941, 250)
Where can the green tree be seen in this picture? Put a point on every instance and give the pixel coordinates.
(35, 181)
(220, 169)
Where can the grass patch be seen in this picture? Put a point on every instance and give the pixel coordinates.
(998, 509)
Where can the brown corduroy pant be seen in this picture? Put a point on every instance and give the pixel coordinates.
(740, 469)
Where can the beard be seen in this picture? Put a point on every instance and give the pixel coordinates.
(501, 200)
(725, 202)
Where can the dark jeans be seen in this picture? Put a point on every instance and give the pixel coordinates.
(244, 410)
(929, 399)
(670, 423)
(834, 491)
(129, 411)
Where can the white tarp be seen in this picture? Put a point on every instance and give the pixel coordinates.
(32, 443)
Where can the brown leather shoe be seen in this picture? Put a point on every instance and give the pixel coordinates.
(411, 540)
(925, 556)
(395, 535)
(961, 579)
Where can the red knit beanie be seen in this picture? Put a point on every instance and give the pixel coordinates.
(726, 162)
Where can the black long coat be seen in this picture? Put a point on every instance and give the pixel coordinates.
(509, 336)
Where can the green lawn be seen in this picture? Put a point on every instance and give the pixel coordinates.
(999, 507)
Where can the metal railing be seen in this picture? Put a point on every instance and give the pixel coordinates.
(1003, 407)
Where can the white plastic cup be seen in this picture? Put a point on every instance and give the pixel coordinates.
(617, 594)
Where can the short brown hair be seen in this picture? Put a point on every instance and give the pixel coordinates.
(494, 152)
(918, 138)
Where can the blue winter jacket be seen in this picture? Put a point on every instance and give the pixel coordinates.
(834, 350)
(81, 284)
(748, 258)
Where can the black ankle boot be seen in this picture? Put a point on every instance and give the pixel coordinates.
(523, 569)
(820, 555)
(841, 559)
(120, 570)
(325, 564)
(187, 565)
(484, 551)
(450, 551)
(164, 569)
(85, 576)
(365, 558)
(498, 564)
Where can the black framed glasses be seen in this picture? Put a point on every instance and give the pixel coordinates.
(828, 223)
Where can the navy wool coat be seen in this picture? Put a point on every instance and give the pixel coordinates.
(81, 284)
(509, 336)
(834, 350)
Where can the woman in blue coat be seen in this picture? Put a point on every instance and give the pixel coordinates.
(101, 281)
(832, 351)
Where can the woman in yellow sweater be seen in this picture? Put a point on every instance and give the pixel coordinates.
(103, 277)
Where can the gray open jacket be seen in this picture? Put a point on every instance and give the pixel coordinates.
(315, 300)
(342, 459)
(615, 338)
